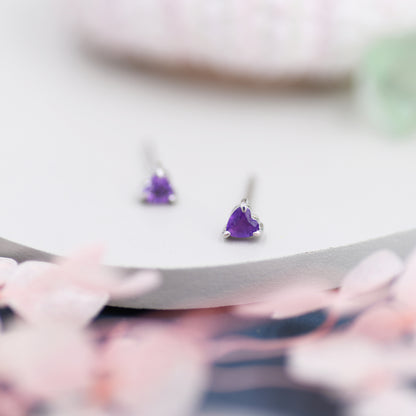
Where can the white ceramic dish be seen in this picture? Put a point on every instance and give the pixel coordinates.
(71, 172)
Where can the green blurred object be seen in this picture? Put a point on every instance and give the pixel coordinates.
(386, 84)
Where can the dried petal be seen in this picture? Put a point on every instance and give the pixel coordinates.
(383, 324)
(341, 363)
(7, 267)
(405, 288)
(40, 294)
(372, 273)
(290, 302)
(84, 270)
(171, 382)
(135, 285)
(45, 362)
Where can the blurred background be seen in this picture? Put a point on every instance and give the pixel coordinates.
(316, 98)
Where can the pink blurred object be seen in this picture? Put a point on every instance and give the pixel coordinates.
(341, 363)
(75, 374)
(71, 292)
(361, 353)
(374, 272)
(363, 285)
(294, 301)
(258, 39)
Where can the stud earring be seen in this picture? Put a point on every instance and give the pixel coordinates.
(158, 188)
(242, 223)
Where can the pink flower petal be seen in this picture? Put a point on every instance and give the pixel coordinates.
(372, 273)
(10, 405)
(348, 305)
(40, 294)
(340, 363)
(136, 284)
(402, 360)
(71, 292)
(7, 267)
(290, 302)
(383, 324)
(160, 374)
(405, 287)
(45, 362)
(84, 270)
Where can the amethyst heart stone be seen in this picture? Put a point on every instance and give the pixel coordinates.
(242, 224)
(158, 190)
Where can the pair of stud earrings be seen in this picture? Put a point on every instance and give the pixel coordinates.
(242, 223)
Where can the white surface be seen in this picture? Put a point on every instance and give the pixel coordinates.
(70, 168)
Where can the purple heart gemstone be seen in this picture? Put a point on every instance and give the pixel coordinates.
(241, 224)
(159, 190)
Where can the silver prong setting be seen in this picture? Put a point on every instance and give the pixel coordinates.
(244, 205)
(172, 198)
(226, 234)
(259, 232)
(160, 172)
